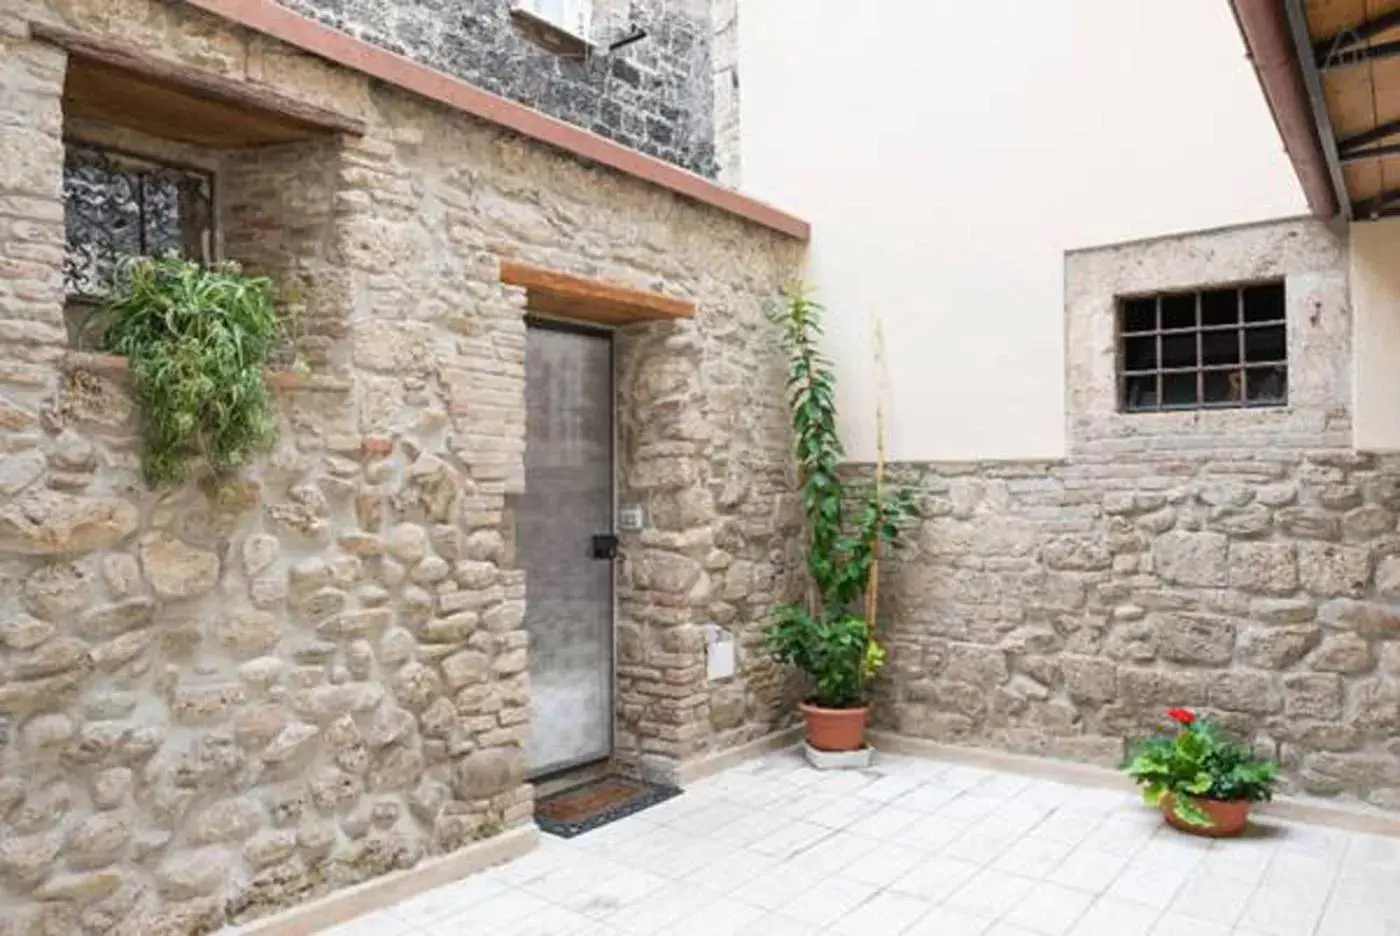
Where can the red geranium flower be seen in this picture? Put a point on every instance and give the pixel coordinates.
(1181, 716)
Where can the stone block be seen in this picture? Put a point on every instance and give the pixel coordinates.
(41, 522)
(1309, 523)
(1364, 618)
(1388, 578)
(1328, 570)
(488, 772)
(1313, 695)
(1194, 639)
(1245, 691)
(1199, 559)
(1076, 554)
(1367, 522)
(1276, 648)
(1153, 689)
(1264, 568)
(1256, 520)
(1343, 653)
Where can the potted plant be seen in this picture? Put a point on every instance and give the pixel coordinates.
(829, 635)
(1203, 783)
(198, 339)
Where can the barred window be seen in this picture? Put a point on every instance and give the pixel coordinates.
(1205, 349)
(115, 204)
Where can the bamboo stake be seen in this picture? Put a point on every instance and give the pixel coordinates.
(872, 587)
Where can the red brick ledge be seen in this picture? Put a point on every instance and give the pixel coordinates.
(271, 19)
(113, 365)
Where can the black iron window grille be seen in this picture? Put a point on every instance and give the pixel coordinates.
(115, 204)
(1206, 349)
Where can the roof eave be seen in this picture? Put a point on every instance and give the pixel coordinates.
(1273, 51)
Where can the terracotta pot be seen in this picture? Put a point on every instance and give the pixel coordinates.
(835, 729)
(1228, 818)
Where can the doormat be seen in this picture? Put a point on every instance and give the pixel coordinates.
(596, 803)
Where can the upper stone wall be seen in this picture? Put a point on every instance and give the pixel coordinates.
(655, 96)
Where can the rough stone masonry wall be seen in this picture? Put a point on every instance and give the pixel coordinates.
(1246, 563)
(213, 704)
(654, 95)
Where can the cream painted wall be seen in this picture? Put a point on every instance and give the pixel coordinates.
(1375, 305)
(948, 154)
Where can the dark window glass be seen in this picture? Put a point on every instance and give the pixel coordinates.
(1179, 311)
(1220, 347)
(1139, 315)
(1265, 343)
(1179, 391)
(1140, 353)
(1220, 307)
(1179, 350)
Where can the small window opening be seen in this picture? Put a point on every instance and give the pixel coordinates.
(1205, 349)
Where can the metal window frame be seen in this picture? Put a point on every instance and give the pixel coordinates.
(210, 248)
(1243, 366)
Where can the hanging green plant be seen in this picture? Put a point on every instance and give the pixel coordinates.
(198, 340)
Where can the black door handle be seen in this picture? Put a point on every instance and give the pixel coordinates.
(604, 546)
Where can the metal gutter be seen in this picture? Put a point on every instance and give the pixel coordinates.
(1293, 89)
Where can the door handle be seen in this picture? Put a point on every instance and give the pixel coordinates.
(604, 546)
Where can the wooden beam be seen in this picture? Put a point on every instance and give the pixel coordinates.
(197, 82)
(586, 300)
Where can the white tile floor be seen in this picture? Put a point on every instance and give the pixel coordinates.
(917, 847)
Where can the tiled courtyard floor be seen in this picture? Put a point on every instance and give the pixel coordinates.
(912, 846)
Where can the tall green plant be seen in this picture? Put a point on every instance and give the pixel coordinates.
(845, 526)
(198, 340)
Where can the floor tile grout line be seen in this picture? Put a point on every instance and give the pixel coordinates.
(1332, 886)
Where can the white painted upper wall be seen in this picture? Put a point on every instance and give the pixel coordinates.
(949, 153)
(1375, 309)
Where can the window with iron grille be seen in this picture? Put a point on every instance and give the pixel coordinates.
(1205, 349)
(115, 204)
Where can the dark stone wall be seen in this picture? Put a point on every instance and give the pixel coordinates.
(655, 95)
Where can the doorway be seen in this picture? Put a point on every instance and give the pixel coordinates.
(566, 546)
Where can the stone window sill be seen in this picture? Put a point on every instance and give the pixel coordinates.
(113, 365)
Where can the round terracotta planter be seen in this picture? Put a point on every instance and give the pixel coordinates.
(835, 729)
(1228, 818)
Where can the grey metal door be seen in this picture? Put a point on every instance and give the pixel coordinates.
(568, 502)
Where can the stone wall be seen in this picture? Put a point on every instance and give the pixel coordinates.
(654, 95)
(216, 701)
(1245, 563)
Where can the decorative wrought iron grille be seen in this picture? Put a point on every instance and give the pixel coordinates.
(116, 205)
(1213, 348)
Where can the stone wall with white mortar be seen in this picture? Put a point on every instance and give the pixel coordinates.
(1243, 563)
(216, 703)
(653, 95)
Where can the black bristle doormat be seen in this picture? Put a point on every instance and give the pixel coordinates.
(596, 803)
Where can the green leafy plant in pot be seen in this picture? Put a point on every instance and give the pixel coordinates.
(829, 637)
(197, 339)
(1203, 783)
